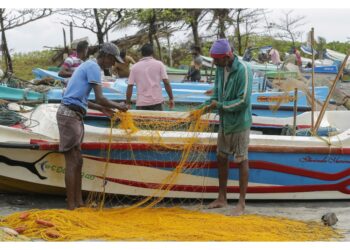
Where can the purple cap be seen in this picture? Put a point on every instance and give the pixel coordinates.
(220, 48)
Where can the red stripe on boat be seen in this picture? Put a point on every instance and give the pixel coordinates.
(252, 164)
(341, 187)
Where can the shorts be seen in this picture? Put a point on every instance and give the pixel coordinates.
(235, 144)
(70, 128)
(158, 106)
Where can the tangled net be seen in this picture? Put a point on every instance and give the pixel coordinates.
(162, 224)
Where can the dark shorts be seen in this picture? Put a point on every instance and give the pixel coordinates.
(151, 107)
(70, 127)
(235, 144)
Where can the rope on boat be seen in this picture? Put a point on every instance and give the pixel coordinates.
(9, 117)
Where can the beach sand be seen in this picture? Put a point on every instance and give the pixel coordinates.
(300, 210)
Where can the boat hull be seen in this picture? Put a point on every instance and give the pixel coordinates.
(275, 172)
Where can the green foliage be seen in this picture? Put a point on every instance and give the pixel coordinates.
(339, 46)
(24, 63)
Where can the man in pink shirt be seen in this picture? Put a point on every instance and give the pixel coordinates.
(147, 74)
(275, 56)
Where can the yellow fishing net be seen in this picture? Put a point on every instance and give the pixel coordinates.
(147, 219)
(162, 224)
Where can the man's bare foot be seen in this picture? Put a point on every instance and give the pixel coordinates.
(82, 204)
(217, 204)
(238, 210)
(71, 207)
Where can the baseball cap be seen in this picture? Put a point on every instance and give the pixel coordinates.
(112, 49)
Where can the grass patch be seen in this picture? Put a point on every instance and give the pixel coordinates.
(24, 63)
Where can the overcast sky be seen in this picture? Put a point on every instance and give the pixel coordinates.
(331, 24)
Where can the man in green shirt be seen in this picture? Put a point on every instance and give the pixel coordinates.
(231, 97)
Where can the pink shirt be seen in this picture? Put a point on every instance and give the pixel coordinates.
(72, 62)
(275, 57)
(147, 74)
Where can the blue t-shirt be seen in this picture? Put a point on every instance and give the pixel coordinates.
(80, 84)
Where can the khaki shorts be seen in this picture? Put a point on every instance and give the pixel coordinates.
(235, 144)
(70, 127)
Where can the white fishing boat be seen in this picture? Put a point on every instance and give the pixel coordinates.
(281, 167)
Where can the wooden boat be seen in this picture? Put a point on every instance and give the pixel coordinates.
(178, 75)
(187, 96)
(337, 59)
(281, 167)
(325, 72)
(15, 94)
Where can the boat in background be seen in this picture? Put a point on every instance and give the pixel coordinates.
(324, 72)
(187, 96)
(338, 58)
(16, 94)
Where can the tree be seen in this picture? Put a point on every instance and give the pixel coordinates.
(221, 20)
(192, 18)
(156, 22)
(321, 46)
(98, 21)
(245, 21)
(13, 18)
(287, 27)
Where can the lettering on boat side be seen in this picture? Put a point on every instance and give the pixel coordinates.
(324, 159)
(61, 170)
(279, 98)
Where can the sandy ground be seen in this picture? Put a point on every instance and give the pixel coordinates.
(301, 210)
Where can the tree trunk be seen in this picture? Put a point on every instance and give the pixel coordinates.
(107, 39)
(194, 26)
(170, 62)
(222, 28)
(8, 60)
(71, 32)
(238, 34)
(159, 47)
(99, 28)
(152, 28)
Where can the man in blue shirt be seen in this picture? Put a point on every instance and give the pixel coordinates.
(72, 110)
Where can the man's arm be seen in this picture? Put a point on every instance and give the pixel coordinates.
(104, 102)
(169, 91)
(213, 93)
(65, 68)
(114, 69)
(244, 94)
(131, 59)
(129, 94)
(65, 72)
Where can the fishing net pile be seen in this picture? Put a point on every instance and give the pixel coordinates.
(162, 224)
(156, 218)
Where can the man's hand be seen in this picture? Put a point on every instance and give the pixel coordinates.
(107, 111)
(122, 107)
(128, 105)
(171, 104)
(213, 104)
(209, 92)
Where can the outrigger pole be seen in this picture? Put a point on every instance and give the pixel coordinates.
(331, 90)
(312, 81)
